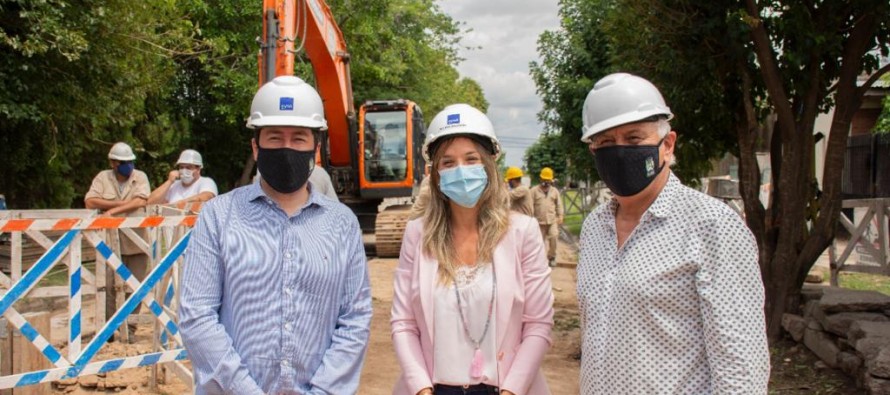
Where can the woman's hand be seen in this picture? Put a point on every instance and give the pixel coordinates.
(505, 392)
(426, 391)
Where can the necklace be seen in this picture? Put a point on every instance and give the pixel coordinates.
(477, 364)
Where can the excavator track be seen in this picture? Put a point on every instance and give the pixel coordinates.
(389, 229)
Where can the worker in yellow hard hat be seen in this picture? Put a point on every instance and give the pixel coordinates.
(548, 210)
(520, 197)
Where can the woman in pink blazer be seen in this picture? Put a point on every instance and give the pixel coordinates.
(473, 308)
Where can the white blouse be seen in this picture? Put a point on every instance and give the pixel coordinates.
(453, 351)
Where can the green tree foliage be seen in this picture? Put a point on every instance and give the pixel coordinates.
(168, 75)
(662, 41)
(824, 50)
(74, 78)
(598, 37)
(572, 59)
(404, 49)
(735, 70)
(548, 151)
(213, 91)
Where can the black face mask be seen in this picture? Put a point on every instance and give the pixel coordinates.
(628, 169)
(284, 169)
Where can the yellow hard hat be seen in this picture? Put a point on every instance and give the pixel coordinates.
(513, 172)
(547, 174)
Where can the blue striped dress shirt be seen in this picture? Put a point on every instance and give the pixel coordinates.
(272, 304)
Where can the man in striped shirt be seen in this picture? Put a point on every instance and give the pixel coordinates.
(275, 293)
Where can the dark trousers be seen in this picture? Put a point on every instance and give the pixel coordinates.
(478, 389)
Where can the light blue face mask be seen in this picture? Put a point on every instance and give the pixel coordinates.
(463, 184)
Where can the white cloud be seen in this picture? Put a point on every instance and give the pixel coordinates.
(507, 32)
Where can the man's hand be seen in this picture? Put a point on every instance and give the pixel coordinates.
(505, 392)
(426, 391)
(127, 206)
(173, 175)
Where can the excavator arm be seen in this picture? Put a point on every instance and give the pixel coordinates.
(373, 155)
(293, 25)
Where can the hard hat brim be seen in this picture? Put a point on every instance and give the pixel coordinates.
(623, 119)
(430, 147)
(278, 120)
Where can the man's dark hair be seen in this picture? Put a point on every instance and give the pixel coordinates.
(316, 135)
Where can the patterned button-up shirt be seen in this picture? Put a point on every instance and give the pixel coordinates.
(678, 309)
(273, 304)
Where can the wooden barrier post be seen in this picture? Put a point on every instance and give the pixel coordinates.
(18, 355)
(877, 210)
(72, 228)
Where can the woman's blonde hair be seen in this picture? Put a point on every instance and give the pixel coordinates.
(493, 221)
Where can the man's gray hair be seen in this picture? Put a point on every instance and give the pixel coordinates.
(664, 127)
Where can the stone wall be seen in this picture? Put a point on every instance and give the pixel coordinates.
(848, 330)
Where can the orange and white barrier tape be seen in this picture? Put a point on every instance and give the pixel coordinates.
(21, 225)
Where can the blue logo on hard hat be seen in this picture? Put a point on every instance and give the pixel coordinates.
(453, 119)
(286, 104)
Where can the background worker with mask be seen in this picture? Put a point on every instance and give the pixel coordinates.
(275, 291)
(185, 183)
(520, 197)
(668, 279)
(549, 211)
(122, 190)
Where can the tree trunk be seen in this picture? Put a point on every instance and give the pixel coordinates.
(782, 296)
(790, 243)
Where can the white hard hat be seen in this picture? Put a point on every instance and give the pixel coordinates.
(190, 157)
(460, 119)
(287, 101)
(619, 99)
(121, 151)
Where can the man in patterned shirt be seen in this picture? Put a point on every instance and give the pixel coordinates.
(275, 294)
(668, 279)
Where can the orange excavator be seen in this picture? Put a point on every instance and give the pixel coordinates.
(371, 156)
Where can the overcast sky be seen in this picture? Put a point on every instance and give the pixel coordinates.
(507, 32)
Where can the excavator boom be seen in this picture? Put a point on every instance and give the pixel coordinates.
(308, 25)
(371, 155)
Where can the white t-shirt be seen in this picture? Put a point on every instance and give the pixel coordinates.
(178, 191)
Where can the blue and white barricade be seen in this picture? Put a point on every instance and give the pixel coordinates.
(167, 238)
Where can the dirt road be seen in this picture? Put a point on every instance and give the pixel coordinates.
(381, 368)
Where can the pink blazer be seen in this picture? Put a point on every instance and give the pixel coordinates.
(524, 309)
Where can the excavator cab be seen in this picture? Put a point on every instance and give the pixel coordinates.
(372, 154)
(390, 139)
